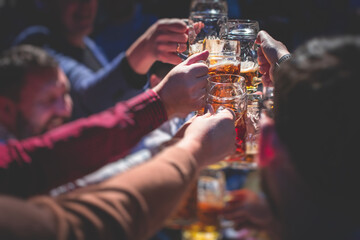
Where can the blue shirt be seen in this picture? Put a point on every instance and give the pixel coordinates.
(93, 88)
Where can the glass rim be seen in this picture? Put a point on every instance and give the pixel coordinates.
(245, 20)
(244, 24)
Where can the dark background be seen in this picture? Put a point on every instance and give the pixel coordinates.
(289, 21)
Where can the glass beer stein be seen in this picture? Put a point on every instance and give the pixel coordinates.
(203, 27)
(224, 56)
(208, 8)
(245, 31)
(229, 91)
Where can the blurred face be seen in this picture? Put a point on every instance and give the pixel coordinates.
(77, 16)
(44, 103)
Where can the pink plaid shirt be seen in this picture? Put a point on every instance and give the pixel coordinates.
(38, 164)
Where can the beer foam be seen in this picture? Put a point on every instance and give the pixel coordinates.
(247, 66)
(214, 45)
(222, 46)
(196, 48)
(222, 63)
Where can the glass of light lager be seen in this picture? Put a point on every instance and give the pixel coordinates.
(210, 197)
(224, 56)
(245, 31)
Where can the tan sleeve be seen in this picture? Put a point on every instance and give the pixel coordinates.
(133, 205)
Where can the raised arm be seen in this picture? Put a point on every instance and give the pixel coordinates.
(270, 52)
(40, 163)
(64, 154)
(133, 205)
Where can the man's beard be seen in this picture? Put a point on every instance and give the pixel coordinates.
(25, 129)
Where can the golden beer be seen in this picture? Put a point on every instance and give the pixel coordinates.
(224, 56)
(185, 213)
(221, 65)
(208, 213)
(249, 70)
(211, 197)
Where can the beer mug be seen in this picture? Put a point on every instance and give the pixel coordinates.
(210, 203)
(210, 197)
(253, 113)
(229, 91)
(224, 56)
(245, 31)
(185, 213)
(208, 7)
(202, 27)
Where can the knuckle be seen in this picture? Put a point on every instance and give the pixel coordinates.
(161, 22)
(182, 76)
(183, 38)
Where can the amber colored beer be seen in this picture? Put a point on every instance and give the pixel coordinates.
(227, 97)
(230, 95)
(185, 213)
(250, 73)
(240, 128)
(223, 66)
(223, 92)
(223, 100)
(208, 213)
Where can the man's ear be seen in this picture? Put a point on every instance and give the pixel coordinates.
(8, 111)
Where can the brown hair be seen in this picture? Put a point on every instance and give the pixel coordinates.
(316, 99)
(16, 62)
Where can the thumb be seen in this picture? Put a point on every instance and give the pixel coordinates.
(227, 113)
(197, 57)
(262, 35)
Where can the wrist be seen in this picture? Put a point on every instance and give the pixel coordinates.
(158, 89)
(193, 148)
(283, 58)
(140, 60)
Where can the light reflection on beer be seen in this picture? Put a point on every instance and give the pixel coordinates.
(249, 70)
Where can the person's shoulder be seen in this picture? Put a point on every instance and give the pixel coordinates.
(37, 35)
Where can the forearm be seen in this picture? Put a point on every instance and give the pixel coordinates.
(96, 91)
(138, 56)
(134, 204)
(78, 148)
